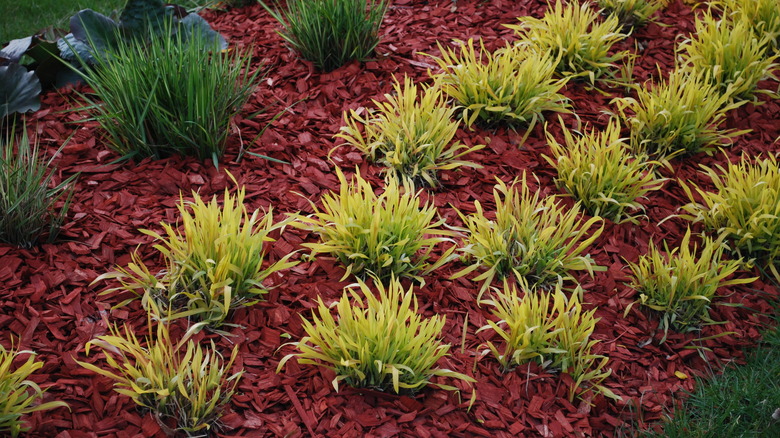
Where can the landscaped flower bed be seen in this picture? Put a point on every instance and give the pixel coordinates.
(49, 304)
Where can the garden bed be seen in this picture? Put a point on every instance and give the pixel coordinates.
(46, 298)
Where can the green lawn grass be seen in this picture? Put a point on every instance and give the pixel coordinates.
(28, 17)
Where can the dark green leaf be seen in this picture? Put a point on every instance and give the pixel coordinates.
(19, 90)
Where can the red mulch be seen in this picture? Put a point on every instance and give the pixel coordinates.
(47, 301)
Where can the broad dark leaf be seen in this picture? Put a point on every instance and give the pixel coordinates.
(19, 90)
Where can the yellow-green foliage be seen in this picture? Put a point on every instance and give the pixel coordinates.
(599, 171)
(680, 284)
(378, 235)
(632, 13)
(214, 264)
(531, 237)
(678, 116)
(763, 15)
(734, 57)
(556, 336)
(744, 208)
(412, 137)
(181, 382)
(17, 393)
(379, 342)
(577, 36)
(512, 85)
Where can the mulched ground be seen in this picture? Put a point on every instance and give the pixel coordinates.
(47, 301)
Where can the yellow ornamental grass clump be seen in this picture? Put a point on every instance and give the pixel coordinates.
(677, 117)
(681, 283)
(550, 329)
(763, 16)
(411, 136)
(214, 264)
(384, 235)
(598, 170)
(378, 340)
(577, 37)
(744, 209)
(534, 238)
(733, 56)
(513, 85)
(632, 13)
(182, 383)
(18, 395)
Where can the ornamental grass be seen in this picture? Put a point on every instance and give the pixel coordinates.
(680, 116)
(531, 237)
(378, 340)
(599, 171)
(383, 236)
(215, 262)
(184, 384)
(680, 284)
(512, 85)
(744, 209)
(411, 136)
(578, 37)
(28, 197)
(763, 16)
(551, 329)
(632, 13)
(18, 394)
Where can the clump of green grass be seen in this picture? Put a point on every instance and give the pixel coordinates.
(330, 33)
(632, 13)
(27, 198)
(599, 171)
(411, 136)
(512, 85)
(763, 16)
(170, 95)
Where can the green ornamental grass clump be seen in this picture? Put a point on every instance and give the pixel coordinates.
(331, 33)
(387, 235)
(577, 37)
(512, 85)
(680, 284)
(680, 116)
(214, 264)
(744, 209)
(551, 329)
(599, 171)
(171, 95)
(531, 237)
(378, 340)
(763, 16)
(184, 384)
(632, 13)
(28, 197)
(734, 57)
(18, 394)
(411, 136)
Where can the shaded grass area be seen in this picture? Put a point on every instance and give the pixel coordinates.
(742, 402)
(32, 16)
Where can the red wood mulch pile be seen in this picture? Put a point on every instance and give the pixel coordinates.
(46, 298)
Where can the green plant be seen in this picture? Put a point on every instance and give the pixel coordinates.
(16, 399)
(680, 284)
(763, 16)
(411, 137)
(19, 91)
(744, 208)
(27, 193)
(380, 343)
(512, 85)
(598, 171)
(575, 36)
(213, 265)
(382, 236)
(531, 237)
(557, 337)
(330, 33)
(734, 57)
(167, 96)
(679, 116)
(183, 384)
(632, 13)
